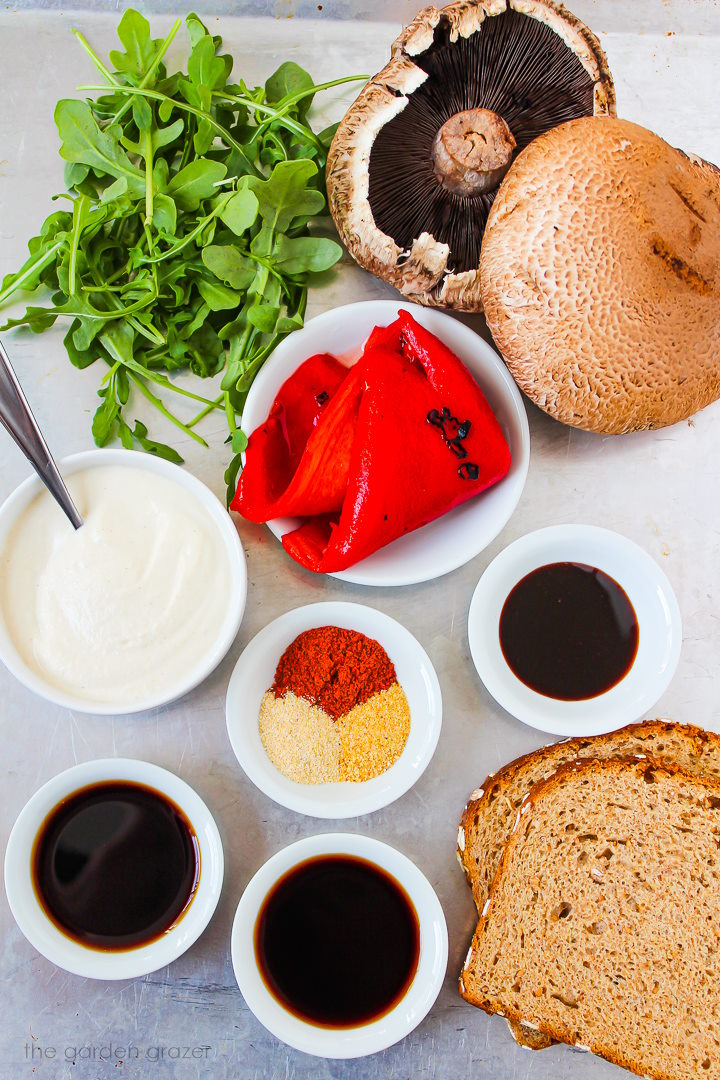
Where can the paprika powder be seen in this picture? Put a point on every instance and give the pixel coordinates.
(334, 668)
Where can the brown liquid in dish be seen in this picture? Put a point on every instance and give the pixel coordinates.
(337, 941)
(115, 865)
(569, 631)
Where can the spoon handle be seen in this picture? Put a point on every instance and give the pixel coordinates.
(18, 420)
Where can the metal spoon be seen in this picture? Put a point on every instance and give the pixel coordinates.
(18, 420)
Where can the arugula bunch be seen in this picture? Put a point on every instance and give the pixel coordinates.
(187, 244)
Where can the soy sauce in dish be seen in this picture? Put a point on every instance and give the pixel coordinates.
(569, 631)
(115, 865)
(337, 941)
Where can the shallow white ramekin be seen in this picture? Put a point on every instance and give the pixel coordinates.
(422, 992)
(42, 933)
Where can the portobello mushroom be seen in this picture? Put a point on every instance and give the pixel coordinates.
(417, 160)
(600, 277)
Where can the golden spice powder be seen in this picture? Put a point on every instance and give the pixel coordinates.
(312, 744)
(300, 739)
(373, 735)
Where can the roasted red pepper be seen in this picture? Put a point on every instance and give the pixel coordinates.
(404, 436)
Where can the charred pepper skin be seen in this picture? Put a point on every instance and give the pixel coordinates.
(369, 473)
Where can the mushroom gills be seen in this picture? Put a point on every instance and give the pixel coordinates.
(514, 69)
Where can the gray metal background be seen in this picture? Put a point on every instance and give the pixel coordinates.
(661, 489)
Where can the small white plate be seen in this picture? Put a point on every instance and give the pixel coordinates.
(209, 656)
(423, 991)
(656, 609)
(254, 674)
(96, 963)
(458, 536)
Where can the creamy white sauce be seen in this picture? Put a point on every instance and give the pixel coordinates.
(127, 607)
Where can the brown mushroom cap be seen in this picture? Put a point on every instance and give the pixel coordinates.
(600, 276)
(409, 202)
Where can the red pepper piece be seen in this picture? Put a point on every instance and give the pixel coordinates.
(275, 448)
(404, 470)
(284, 472)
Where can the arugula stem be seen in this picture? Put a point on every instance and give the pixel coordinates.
(78, 213)
(286, 103)
(317, 88)
(139, 382)
(96, 60)
(216, 404)
(230, 413)
(149, 182)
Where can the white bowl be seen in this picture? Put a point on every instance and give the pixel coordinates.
(458, 536)
(16, 503)
(42, 933)
(254, 674)
(656, 609)
(423, 991)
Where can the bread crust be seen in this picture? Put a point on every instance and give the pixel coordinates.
(558, 753)
(499, 784)
(710, 784)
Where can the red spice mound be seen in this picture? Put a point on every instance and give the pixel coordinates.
(334, 668)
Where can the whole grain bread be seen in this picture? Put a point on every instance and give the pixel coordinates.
(602, 926)
(490, 814)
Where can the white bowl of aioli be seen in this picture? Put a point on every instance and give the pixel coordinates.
(136, 608)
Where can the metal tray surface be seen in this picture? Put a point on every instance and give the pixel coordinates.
(660, 489)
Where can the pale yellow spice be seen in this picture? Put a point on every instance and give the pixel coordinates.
(300, 739)
(373, 735)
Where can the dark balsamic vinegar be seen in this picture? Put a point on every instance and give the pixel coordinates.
(115, 865)
(569, 631)
(337, 941)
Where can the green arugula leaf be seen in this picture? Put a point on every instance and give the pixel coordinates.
(264, 317)
(195, 182)
(241, 211)
(104, 421)
(140, 434)
(239, 441)
(219, 297)
(79, 358)
(84, 142)
(140, 48)
(228, 264)
(285, 195)
(290, 79)
(164, 213)
(305, 254)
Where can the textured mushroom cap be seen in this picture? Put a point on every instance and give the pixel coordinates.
(600, 276)
(422, 270)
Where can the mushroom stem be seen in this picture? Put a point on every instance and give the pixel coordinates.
(472, 151)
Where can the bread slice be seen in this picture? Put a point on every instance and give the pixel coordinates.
(602, 927)
(491, 812)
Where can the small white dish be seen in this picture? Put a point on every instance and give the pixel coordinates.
(42, 933)
(656, 609)
(422, 992)
(254, 674)
(23, 495)
(458, 536)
